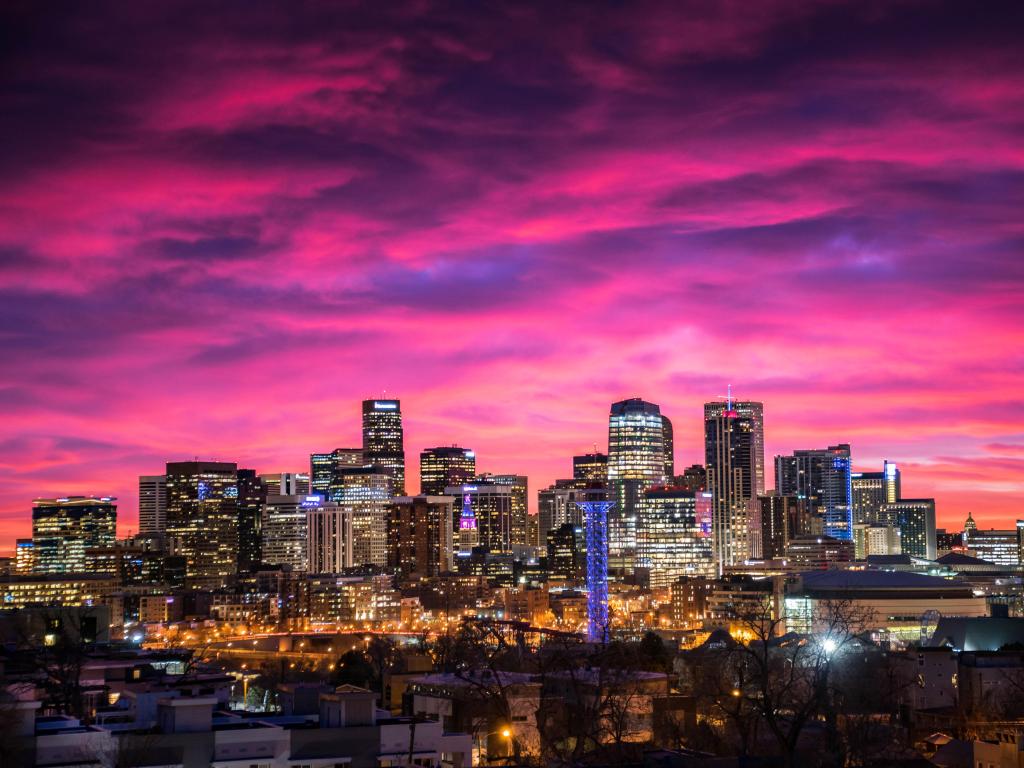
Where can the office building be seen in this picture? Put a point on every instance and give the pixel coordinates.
(566, 552)
(252, 495)
(202, 519)
(820, 552)
(870, 490)
(915, 519)
(323, 467)
(285, 530)
(636, 461)
(329, 537)
(999, 546)
(152, 503)
(822, 477)
(519, 531)
(63, 529)
(730, 458)
(367, 492)
(870, 540)
(490, 507)
(445, 466)
(556, 506)
(419, 536)
(24, 557)
(287, 483)
(590, 468)
(670, 540)
(753, 412)
(693, 478)
(669, 444)
(779, 519)
(383, 440)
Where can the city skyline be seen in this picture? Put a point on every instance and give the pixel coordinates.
(221, 230)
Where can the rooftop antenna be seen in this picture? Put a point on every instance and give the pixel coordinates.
(728, 397)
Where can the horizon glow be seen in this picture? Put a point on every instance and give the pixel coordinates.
(221, 228)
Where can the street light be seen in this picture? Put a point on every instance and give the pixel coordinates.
(829, 645)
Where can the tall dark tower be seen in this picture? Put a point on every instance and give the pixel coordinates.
(252, 495)
(445, 466)
(670, 447)
(202, 519)
(729, 447)
(383, 440)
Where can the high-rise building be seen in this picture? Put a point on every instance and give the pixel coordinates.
(490, 505)
(252, 495)
(329, 537)
(383, 440)
(636, 461)
(779, 515)
(819, 552)
(729, 454)
(202, 519)
(670, 539)
(693, 478)
(152, 503)
(323, 466)
(285, 531)
(63, 529)
(566, 552)
(590, 468)
(915, 519)
(24, 557)
(287, 483)
(753, 411)
(519, 530)
(420, 536)
(823, 478)
(669, 443)
(367, 491)
(870, 490)
(869, 540)
(445, 466)
(556, 506)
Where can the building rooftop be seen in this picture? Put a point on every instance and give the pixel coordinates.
(879, 580)
(954, 559)
(981, 633)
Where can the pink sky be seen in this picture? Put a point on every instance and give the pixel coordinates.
(219, 230)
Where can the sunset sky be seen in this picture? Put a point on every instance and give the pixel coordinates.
(222, 226)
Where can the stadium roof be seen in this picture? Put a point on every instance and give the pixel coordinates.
(840, 580)
(980, 633)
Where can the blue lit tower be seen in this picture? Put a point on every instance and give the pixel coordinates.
(468, 535)
(595, 514)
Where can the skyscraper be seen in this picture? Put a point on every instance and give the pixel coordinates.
(202, 519)
(636, 461)
(323, 466)
(252, 495)
(670, 540)
(729, 454)
(328, 537)
(777, 516)
(491, 507)
(518, 524)
(556, 506)
(915, 519)
(822, 477)
(754, 411)
(669, 447)
(63, 529)
(152, 503)
(420, 535)
(444, 466)
(590, 468)
(870, 490)
(285, 530)
(383, 441)
(367, 492)
(287, 483)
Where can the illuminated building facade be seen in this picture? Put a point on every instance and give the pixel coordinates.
(202, 519)
(915, 519)
(323, 467)
(871, 540)
(252, 495)
(590, 468)
(285, 529)
(670, 540)
(491, 507)
(778, 514)
(420, 542)
(383, 440)
(869, 491)
(519, 485)
(556, 506)
(636, 461)
(445, 466)
(729, 457)
(753, 412)
(994, 545)
(24, 557)
(367, 492)
(823, 478)
(63, 529)
(152, 503)
(286, 483)
(566, 552)
(329, 542)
